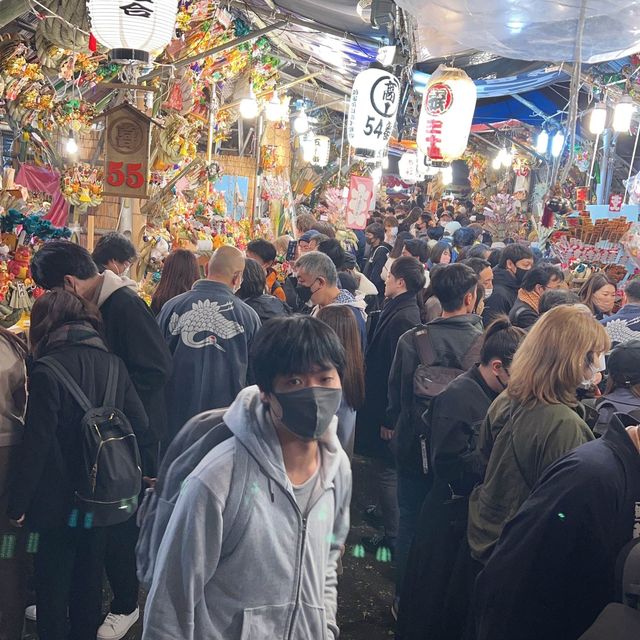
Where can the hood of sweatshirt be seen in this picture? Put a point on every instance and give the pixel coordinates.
(249, 421)
(112, 283)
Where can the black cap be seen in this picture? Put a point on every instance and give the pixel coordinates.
(624, 362)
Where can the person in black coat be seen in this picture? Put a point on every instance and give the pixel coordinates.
(252, 292)
(69, 561)
(429, 602)
(132, 333)
(526, 310)
(553, 570)
(399, 315)
(377, 258)
(515, 261)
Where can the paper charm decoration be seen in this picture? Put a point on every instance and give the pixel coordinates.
(361, 192)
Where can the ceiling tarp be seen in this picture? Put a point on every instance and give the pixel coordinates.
(495, 87)
(526, 29)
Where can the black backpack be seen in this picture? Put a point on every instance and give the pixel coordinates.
(429, 380)
(110, 478)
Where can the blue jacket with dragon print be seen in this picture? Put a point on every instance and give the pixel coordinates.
(209, 332)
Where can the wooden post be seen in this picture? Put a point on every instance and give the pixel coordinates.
(91, 231)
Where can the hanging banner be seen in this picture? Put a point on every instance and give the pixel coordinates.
(408, 167)
(127, 140)
(321, 149)
(361, 193)
(372, 112)
(448, 105)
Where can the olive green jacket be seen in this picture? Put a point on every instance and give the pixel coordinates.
(517, 443)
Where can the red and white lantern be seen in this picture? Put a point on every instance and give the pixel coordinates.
(448, 105)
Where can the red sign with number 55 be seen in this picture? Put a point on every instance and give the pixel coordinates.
(127, 141)
(129, 175)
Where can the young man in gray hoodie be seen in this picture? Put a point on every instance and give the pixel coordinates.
(252, 547)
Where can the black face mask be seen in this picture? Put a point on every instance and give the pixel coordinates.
(520, 274)
(308, 412)
(502, 384)
(304, 292)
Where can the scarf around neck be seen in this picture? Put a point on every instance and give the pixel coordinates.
(72, 333)
(529, 297)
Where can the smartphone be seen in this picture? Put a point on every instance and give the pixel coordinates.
(291, 250)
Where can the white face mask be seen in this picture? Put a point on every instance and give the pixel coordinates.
(595, 369)
(487, 293)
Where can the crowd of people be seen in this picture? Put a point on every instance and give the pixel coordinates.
(202, 447)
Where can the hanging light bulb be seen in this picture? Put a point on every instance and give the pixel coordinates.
(598, 119)
(507, 158)
(542, 143)
(273, 110)
(497, 163)
(71, 146)
(447, 175)
(301, 123)
(384, 163)
(557, 144)
(376, 175)
(249, 106)
(622, 115)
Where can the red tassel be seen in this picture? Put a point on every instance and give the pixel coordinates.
(93, 43)
(547, 218)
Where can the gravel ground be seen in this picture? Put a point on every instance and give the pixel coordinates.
(366, 586)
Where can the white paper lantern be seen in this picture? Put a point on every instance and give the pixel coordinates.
(447, 113)
(321, 148)
(408, 167)
(133, 29)
(372, 112)
(307, 145)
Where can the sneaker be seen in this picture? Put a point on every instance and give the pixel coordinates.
(380, 545)
(30, 613)
(116, 626)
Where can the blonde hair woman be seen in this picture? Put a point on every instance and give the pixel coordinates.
(537, 420)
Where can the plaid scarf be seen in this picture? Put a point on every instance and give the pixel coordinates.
(531, 298)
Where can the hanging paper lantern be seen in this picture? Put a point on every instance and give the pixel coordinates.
(408, 167)
(133, 29)
(447, 112)
(321, 148)
(372, 112)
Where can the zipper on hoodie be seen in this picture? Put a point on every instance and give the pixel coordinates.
(299, 585)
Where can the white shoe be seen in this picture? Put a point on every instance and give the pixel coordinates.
(116, 626)
(30, 613)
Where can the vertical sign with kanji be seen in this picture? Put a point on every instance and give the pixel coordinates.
(127, 140)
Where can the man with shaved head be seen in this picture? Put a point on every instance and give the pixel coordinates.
(209, 331)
